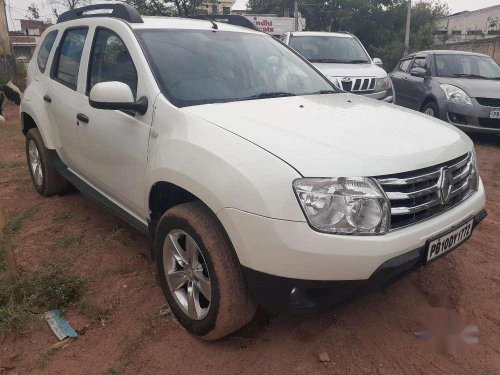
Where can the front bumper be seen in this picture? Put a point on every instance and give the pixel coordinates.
(292, 250)
(385, 96)
(284, 294)
(469, 118)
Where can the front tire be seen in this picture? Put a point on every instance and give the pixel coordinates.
(45, 179)
(431, 109)
(200, 274)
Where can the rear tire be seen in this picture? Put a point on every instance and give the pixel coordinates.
(200, 274)
(45, 179)
(431, 109)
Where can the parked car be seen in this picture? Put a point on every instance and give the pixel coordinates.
(343, 59)
(461, 88)
(257, 180)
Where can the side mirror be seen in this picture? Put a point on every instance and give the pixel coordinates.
(116, 95)
(418, 72)
(377, 62)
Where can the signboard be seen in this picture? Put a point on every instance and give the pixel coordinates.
(276, 25)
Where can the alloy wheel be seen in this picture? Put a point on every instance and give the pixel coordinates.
(35, 163)
(429, 111)
(187, 274)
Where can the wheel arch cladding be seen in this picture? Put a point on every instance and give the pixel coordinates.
(428, 100)
(27, 123)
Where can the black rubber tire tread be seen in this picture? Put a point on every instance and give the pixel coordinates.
(52, 183)
(232, 305)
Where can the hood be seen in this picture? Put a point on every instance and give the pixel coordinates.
(350, 70)
(339, 135)
(475, 88)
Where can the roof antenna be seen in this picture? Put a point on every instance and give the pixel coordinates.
(214, 25)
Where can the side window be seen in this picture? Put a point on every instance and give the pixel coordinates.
(420, 63)
(44, 52)
(404, 65)
(70, 54)
(110, 61)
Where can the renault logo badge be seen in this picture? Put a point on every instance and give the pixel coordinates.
(445, 184)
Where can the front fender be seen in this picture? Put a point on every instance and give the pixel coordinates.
(219, 167)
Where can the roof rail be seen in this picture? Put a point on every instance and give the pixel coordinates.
(120, 10)
(232, 19)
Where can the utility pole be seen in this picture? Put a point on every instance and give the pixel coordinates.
(295, 14)
(4, 30)
(408, 21)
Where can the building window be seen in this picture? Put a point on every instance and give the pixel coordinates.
(440, 32)
(226, 10)
(214, 9)
(456, 32)
(474, 32)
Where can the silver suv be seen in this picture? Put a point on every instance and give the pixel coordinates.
(343, 59)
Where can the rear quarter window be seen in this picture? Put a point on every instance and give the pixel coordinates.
(45, 48)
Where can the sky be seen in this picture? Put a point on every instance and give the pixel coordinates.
(16, 9)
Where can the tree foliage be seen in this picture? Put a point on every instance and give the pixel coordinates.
(33, 12)
(179, 8)
(379, 24)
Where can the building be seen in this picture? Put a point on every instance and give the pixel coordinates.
(466, 26)
(217, 6)
(24, 42)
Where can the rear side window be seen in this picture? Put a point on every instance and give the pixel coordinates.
(70, 54)
(43, 53)
(404, 65)
(111, 61)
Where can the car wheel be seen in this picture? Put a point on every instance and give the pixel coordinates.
(200, 274)
(43, 175)
(431, 109)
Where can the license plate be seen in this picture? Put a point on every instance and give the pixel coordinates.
(495, 113)
(449, 241)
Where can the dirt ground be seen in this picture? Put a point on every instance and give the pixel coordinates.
(126, 328)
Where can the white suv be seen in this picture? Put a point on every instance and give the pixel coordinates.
(344, 60)
(257, 180)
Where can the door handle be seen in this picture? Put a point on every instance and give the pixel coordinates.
(47, 98)
(81, 117)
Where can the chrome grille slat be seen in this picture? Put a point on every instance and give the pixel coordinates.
(417, 195)
(411, 210)
(414, 194)
(358, 84)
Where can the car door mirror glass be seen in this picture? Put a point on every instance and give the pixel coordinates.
(377, 62)
(418, 72)
(116, 96)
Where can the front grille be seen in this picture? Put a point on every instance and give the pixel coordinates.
(415, 195)
(359, 84)
(489, 102)
(490, 122)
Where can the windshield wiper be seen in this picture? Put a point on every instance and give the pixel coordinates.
(464, 75)
(357, 62)
(322, 92)
(266, 95)
(325, 61)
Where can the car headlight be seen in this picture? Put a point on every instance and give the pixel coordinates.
(383, 84)
(474, 173)
(347, 205)
(335, 81)
(456, 95)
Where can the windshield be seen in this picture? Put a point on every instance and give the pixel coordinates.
(199, 67)
(465, 66)
(333, 49)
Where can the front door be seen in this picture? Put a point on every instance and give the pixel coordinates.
(400, 82)
(114, 144)
(416, 85)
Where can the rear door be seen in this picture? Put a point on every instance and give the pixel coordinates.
(399, 80)
(63, 95)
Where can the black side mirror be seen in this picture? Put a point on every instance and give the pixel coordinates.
(418, 72)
